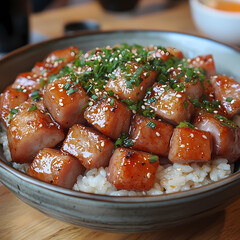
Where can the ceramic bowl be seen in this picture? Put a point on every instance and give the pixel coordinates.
(220, 25)
(123, 214)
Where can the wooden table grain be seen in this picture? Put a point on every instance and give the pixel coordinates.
(19, 221)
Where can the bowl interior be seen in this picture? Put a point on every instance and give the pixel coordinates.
(226, 59)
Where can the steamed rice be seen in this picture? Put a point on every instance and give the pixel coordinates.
(169, 178)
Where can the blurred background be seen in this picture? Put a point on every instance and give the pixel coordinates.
(31, 21)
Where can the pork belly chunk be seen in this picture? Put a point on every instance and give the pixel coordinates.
(9, 100)
(227, 90)
(53, 166)
(121, 87)
(132, 170)
(190, 145)
(165, 54)
(55, 61)
(29, 81)
(192, 88)
(151, 135)
(205, 62)
(170, 105)
(175, 52)
(225, 134)
(30, 131)
(65, 101)
(109, 116)
(87, 145)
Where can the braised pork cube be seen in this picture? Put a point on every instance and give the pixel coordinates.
(225, 134)
(164, 54)
(53, 166)
(227, 90)
(31, 130)
(132, 170)
(109, 116)
(127, 90)
(55, 61)
(175, 52)
(204, 62)
(189, 81)
(91, 148)
(171, 105)
(190, 145)
(9, 100)
(29, 81)
(65, 101)
(151, 135)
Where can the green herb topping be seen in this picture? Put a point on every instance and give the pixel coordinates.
(153, 158)
(152, 125)
(185, 124)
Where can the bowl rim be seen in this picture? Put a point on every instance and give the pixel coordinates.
(107, 198)
(200, 5)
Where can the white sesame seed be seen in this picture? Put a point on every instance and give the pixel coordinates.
(182, 146)
(204, 136)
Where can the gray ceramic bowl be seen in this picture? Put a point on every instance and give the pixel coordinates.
(129, 214)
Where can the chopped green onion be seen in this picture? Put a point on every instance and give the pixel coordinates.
(19, 89)
(95, 98)
(110, 93)
(112, 102)
(32, 108)
(59, 59)
(67, 85)
(152, 125)
(153, 158)
(185, 125)
(35, 95)
(13, 111)
(185, 104)
(229, 99)
(71, 91)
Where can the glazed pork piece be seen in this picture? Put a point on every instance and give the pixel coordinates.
(9, 100)
(29, 81)
(132, 170)
(124, 88)
(227, 90)
(192, 87)
(225, 134)
(31, 130)
(92, 149)
(171, 105)
(55, 61)
(151, 135)
(190, 145)
(65, 101)
(205, 62)
(110, 116)
(53, 166)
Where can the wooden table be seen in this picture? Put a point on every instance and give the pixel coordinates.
(19, 221)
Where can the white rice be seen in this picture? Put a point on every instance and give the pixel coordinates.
(169, 178)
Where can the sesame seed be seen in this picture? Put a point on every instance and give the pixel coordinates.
(204, 136)
(182, 146)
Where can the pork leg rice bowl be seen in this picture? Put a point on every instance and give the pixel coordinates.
(110, 111)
